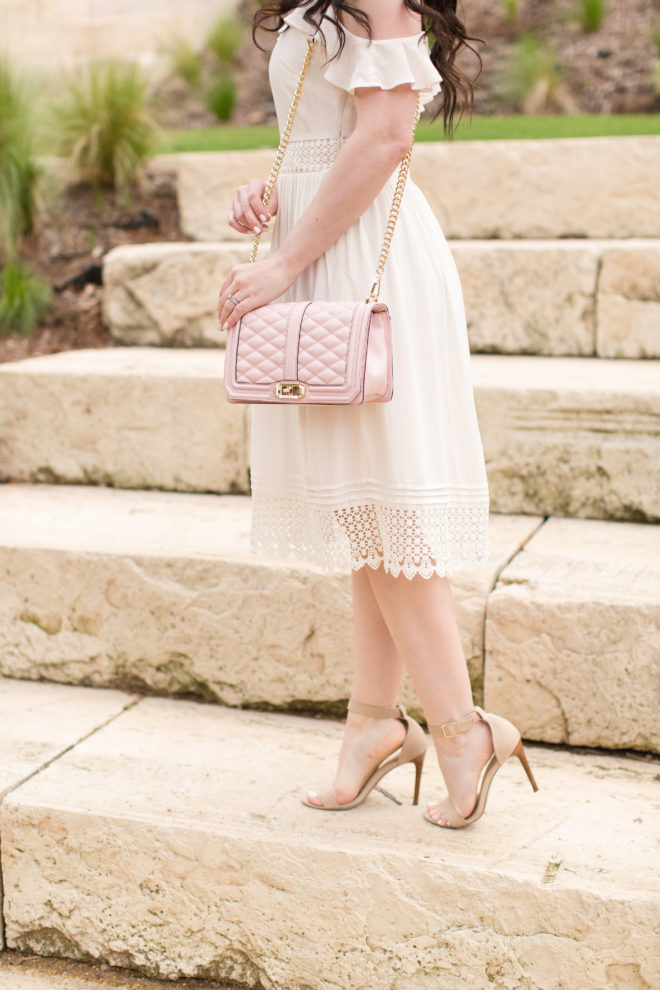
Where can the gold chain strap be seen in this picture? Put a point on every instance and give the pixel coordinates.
(279, 158)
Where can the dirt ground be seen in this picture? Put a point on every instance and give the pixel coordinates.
(608, 71)
(23, 971)
(78, 226)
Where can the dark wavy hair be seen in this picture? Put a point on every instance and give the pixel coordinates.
(443, 27)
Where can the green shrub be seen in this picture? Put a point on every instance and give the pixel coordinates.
(531, 80)
(104, 124)
(512, 10)
(23, 299)
(19, 174)
(186, 63)
(590, 14)
(655, 34)
(221, 97)
(226, 39)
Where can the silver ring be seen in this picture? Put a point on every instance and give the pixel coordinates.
(234, 299)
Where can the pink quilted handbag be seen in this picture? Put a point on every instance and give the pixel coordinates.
(305, 352)
(314, 352)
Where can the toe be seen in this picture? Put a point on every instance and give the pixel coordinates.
(313, 798)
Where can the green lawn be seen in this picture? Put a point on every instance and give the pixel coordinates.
(225, 138)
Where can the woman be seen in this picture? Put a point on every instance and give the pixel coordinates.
(396, 490)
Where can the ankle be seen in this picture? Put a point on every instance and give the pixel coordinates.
(457, 746)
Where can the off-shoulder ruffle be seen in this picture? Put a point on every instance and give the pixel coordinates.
(382, 64)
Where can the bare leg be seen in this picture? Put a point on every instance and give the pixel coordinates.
(378, 669)
(421, 619)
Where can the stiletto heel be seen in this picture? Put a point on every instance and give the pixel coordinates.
(419, 763)
(506, 743)
(411, 750)
(519, 751)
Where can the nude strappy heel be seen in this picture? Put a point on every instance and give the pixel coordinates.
(506, 743)
(411, 750)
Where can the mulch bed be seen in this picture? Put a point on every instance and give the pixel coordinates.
(76, 230)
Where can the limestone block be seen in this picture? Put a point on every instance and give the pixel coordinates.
(573, 636)
(206, 185)
(128, 417)
(570, 436)
(628, 315)
(38, 722)
(174, 842)
(533, 297)
(159, 590)
(563, 187)
(167, 293)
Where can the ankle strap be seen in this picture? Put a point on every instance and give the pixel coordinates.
(448, 730)
(374, 711)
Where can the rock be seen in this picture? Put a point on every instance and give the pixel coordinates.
(39, 722)
(573, 636)
(562, 187)
(167, 293)
(570, 436)
(206, 185)
(520, 297)
(173, 841)
(629, 301)
(534, 297)
(159, 590)
(127, 417)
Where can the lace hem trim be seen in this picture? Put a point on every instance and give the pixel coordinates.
(311, 154)
(411, 540)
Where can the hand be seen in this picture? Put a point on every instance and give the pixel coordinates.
(253, 285)
(247, 213)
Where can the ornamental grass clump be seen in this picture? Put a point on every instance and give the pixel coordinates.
(186, 63)
(19, 174)
(226, 39)
(531, 81)
(590, 14)
(24, 298)
(104, 124)
(224, 42)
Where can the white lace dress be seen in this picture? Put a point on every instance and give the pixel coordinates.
(401, 484)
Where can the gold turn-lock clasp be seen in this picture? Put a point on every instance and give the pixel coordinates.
(289, 390)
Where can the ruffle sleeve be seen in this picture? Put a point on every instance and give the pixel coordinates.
(381, 64)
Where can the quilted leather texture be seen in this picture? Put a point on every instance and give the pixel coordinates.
(323, 343)
(262, 339)
(338, 352)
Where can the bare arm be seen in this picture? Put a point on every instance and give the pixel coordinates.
(380, 140)
(382, 135)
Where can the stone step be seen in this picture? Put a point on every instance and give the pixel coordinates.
(39, 722)
(173, 841)
(565, 436)
(562, 187)
(566, 297)
(128, 417)
(159, 591)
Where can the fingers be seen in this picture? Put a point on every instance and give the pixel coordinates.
(247, 213)
(230, 313)
(233, 288)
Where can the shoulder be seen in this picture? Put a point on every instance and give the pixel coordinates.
(388, 19)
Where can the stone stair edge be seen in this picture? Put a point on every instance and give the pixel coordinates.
(140, 794)
(134, 632)
(160, 420)
(573, 295)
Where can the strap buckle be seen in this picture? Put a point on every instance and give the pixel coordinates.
(450, 730)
